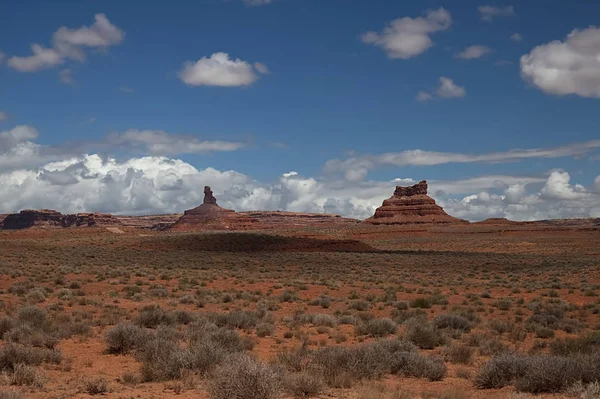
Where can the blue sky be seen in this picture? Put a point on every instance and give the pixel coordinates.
(324, 100)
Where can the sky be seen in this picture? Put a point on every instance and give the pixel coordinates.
(301, 105)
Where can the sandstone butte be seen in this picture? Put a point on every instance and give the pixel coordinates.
(411, 205)
(210, 216)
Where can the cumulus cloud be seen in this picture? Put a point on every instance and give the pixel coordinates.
(488, 13)
(152, 185)
(557, 199)
(407, 37)
(66, 77)
(446, 89)
(473, 52)
(69, 44)
(357, 167)
(566, 67)
(220, 70)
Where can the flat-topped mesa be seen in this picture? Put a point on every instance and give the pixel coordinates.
(411, 205)
(33, 218)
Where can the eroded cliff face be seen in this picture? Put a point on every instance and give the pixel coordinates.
(411, 205)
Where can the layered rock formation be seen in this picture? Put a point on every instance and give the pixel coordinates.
(411, 205)
(33, 218)
(210, 216)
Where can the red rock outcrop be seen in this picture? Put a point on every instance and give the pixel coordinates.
(33, 218)
(411, 205)
(210, 216)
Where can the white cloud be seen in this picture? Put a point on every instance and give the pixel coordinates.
(18, 148)
(151, 185)
(473, 52)
(69, 43)
(408, 37)
(127, 90)
(42, 58)
(557, 199)
(568, 67)
(357, 167)
(446, 89)
(3, 116)
(488, 13)
(66, 76)
(163, 143)
(257, 2)
(220, 70)
(516, 37)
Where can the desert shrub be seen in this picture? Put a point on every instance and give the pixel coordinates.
(491, 346)
(584, 344)
(241, 319)
(304, 384)
(500, 371)
(163, 358)
(543, 332)
(6, 324)
(422, 303)
(124, 337)
(402, 316)
(377, 327)
(538, 374)
(288, 296)
(151, 316)
(29, 335)
(265, 329)
(555, 373)
(24, 375)
(424, 335)
(418, 366)
(323, 301)
(12, 355)
(452, 321)
(461, 354)
(242, 377)
(501, 326)
(95, 385)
